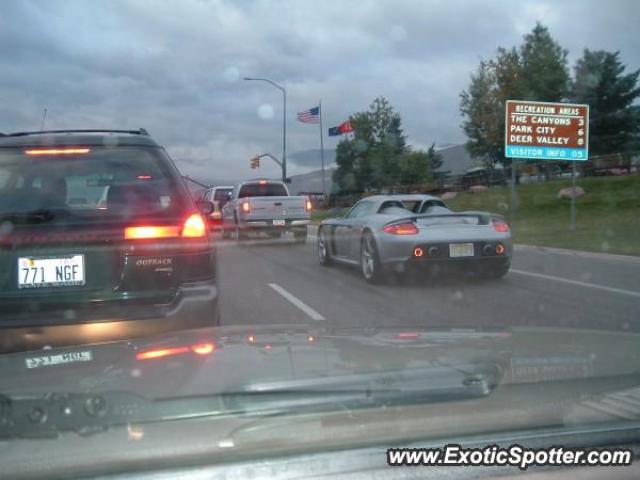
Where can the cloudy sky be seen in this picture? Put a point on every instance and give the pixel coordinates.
(176, 67)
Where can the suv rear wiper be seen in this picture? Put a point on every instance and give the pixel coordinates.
(46, 416)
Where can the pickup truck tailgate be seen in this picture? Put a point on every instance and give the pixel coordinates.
(277, 208)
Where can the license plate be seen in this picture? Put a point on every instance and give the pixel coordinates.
(38, 272)
(58, 359)
(279, 223)
(461, 249)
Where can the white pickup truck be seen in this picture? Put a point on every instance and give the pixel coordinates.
(265, 206)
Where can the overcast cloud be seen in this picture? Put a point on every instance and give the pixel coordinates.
(176, 68)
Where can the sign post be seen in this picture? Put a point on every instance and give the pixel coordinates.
(547, 131)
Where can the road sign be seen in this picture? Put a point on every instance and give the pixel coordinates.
(546, 131)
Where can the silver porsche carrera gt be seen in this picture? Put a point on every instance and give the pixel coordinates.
(393, 234)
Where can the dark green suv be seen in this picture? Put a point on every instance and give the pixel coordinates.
(100, 241)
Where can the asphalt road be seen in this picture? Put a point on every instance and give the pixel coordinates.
(268, 282)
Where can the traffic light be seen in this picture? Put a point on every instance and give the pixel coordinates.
(255, 162)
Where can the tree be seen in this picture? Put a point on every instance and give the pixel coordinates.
(537, 70)
(344, 178)
(600, 82)
(435, 159)
(415, 168)
(378, 156)
(482, 112)
(545, 71)
(387, 144)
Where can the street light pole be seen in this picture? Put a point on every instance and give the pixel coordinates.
(284, 121)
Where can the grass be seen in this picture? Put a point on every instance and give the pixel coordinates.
(607, 220)
(320, 215)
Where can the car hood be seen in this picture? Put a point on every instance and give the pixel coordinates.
(259, 358)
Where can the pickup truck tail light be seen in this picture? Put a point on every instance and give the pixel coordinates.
(246, 207)
(308, 206)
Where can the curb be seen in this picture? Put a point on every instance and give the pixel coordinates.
(577, 253)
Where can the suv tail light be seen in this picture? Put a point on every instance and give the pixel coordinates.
(500, 226)
(193, 227)
(408, 228)
(57, 151)
(150, 231)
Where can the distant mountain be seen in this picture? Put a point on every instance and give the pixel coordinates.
(311, 181)
(311, 158)
(456, 160)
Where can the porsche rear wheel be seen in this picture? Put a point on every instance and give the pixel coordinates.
(323, 249)
(369, 260)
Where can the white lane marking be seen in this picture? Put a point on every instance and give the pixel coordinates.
(297, 302)
(577, 282)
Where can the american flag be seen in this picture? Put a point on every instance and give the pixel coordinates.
(310, 116)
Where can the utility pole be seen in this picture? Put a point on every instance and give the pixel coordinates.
(572, 224)
(284, 120)
(44, 117)
(324, 190)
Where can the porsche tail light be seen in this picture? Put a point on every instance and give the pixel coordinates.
(500, 226)
(401, 229)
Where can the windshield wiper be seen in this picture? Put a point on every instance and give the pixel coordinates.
(34, 216)
(46, 416)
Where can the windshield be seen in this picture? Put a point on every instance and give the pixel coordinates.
(96, 184)
(281, 228)
(262, 190)
(222, 194)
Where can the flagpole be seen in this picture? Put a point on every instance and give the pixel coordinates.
(324, 191)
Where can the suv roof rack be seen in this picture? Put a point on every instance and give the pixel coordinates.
(140, 131)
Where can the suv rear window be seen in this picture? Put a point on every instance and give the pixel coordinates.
(105, 182)
(262, 190)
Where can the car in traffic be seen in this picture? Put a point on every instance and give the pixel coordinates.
(265, 206)
(396, 234)
(218, 196)
(100, 242)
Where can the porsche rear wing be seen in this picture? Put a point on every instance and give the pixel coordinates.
(481, 218)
